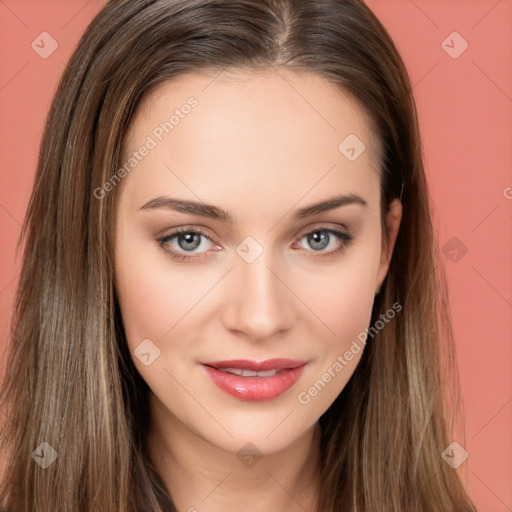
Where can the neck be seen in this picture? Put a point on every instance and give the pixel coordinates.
(203, 477)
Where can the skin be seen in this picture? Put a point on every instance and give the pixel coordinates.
(259, 145)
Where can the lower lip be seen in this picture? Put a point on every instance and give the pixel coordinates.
(255, 388)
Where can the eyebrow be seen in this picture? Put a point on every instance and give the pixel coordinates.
(214, 212)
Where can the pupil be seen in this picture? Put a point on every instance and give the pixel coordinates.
(317, 236)
(189, 240)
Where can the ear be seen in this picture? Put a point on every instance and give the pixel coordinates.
(393, 220)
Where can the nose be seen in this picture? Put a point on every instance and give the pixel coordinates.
(260, 302)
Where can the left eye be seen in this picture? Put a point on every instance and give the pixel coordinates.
(320, 238)
(188, 240)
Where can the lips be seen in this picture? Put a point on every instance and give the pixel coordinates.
(252, 380)
(250, 373)
(245, 364)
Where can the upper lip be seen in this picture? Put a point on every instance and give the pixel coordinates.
(245, 364)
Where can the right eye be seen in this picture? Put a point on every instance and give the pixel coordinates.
(187, 240)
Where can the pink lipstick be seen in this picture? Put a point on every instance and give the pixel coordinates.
(252, 380)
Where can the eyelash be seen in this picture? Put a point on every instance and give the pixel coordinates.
(346, 238)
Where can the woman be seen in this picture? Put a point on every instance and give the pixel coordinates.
(302, 358)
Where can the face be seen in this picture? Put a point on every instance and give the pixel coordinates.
(221, 261)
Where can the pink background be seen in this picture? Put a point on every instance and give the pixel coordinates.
(465, 109)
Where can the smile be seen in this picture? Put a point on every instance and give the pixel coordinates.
(250, 373)
(255, 381)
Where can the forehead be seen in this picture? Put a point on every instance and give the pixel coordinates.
(248, 95)
(248, 129)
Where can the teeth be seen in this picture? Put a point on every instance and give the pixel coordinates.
(250, 373)
(236, 371)
(268, 373)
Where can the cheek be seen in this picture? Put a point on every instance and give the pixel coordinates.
(349, 299)
(160, 300)
(149, 304)
(152, 301)
(341, 296)
(344, 304)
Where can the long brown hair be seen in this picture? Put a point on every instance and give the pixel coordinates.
(70, 381)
